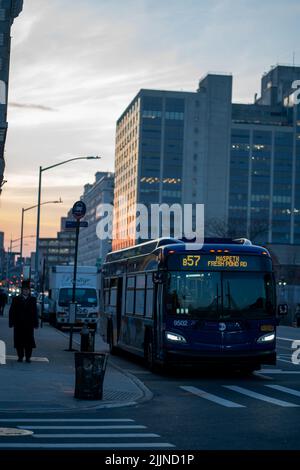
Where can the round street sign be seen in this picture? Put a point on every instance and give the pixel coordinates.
(79, 210)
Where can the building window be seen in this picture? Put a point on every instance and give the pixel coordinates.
(2, 14)
(1, 39)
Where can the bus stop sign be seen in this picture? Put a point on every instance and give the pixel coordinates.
(79, 210)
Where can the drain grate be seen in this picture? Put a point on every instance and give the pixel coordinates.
(14, 432)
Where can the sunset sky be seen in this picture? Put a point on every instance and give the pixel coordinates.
(76, 64)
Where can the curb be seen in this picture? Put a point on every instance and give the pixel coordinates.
(147, 395)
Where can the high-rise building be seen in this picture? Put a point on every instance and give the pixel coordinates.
(264, 188)
(173, 147)
(92, 249)
(242, 161)
(9, 10)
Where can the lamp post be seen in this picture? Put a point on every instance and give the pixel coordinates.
(41, 170)
(22, 224)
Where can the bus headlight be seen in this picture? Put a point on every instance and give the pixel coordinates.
(266, 338)
(174, 337)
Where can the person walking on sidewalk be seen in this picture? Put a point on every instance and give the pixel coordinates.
(23, 317)
(3, 301)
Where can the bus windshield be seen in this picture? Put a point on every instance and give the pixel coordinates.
(84, 297)
(215, 295)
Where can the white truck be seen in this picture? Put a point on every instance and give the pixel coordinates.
(87, 294)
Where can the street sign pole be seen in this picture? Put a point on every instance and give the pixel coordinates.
(79, 210)
(74, 288)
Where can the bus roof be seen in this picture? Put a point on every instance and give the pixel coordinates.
(234, 246)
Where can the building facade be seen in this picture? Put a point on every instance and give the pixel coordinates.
(264, 188)
(242, 161)
(91, 249)
(172, 147)
(9, 10)
(56, 251)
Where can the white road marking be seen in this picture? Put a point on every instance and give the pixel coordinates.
(75, 445)
(262, 376)
(288, 339)
(291, 391)
(33, 359)
(211, 397)
(259, 396)
(284, 360)
(92, 436)
(64, 420)
(278, 371)
(85, 427)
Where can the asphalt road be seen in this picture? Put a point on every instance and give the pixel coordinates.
(190, 410)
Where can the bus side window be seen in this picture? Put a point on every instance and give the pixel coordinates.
(113, 292)
(140, 294)
(149, 296)
(130, 294)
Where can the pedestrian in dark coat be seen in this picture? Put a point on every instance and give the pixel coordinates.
(23, 317)
(3, 301)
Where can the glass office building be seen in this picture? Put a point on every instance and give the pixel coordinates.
(242, 161)
(264, 163)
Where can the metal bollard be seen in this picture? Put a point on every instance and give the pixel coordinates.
(85, 339)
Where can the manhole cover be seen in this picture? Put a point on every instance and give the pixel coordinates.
(11, 432)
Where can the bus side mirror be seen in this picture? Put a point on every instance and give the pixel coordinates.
(283, 310)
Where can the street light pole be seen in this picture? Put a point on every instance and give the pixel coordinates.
(36, 264)
(22, 224)
(41, 170)
(21, 242)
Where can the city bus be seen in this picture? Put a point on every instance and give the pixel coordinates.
(175, 305)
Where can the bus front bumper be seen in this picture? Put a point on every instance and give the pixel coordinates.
(227, 358)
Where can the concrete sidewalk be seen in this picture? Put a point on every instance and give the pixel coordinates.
(47, 384)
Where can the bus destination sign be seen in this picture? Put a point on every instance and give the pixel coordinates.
(216, 262)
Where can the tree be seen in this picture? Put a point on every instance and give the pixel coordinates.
(216, 227)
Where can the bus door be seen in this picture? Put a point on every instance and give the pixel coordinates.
(158, 317)
(119, 305)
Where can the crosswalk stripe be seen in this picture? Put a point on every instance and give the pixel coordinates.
(211, 397)
(93, 436)
(278, 371)
(64, 420)
(284, 360)
(129, 426)
(291, 391)
(259, 396)
(286, 339)
(75, 445)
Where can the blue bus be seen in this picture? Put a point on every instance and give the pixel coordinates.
(172, 305)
